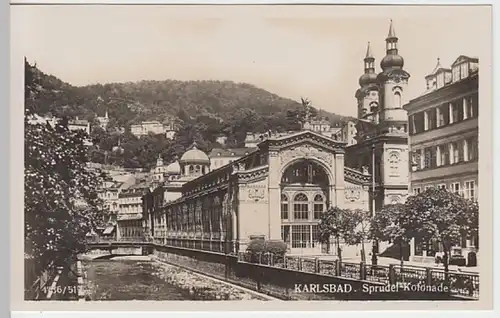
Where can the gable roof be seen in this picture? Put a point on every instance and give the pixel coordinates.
(283, 140)
(463, 58)
(438, 69)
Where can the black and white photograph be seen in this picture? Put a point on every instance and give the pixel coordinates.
(265, 153)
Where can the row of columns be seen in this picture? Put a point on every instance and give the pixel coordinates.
(207, 217)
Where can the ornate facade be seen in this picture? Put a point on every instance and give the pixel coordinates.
(276, 192)
(382, 127)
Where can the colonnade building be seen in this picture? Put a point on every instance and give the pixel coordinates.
(276, 192)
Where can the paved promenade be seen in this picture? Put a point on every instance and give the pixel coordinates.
(389, 261)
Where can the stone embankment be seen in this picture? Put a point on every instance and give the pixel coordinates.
(202, 287)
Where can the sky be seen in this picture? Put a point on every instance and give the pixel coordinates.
(293, 51)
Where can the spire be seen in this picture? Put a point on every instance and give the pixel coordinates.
(369, 65)
(392, 34)
(159, 161)
(369, 53)
(438, 66)
(194, 145)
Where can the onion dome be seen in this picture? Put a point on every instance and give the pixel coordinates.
(194, 155)
(367, 78)
(392, 61)
(173, 168)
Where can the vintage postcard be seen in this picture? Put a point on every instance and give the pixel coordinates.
(256, 157)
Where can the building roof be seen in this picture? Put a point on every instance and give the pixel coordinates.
(231, 152)
(173, 168)
(463, 58)
(438, 69)
(78, 122)
(194, 155)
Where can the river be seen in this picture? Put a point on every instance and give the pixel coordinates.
(129, 279)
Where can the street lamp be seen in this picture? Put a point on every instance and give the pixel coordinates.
(375, 242)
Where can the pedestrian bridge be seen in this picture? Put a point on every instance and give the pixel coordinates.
(107, 249)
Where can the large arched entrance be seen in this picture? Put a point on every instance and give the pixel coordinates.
(304, 196)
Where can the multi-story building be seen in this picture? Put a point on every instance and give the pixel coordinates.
(147, 127)
(322, 126)
(79, 124)
(221, 139)
(130, 218)
(109, 194)
(348, 133)
(221, 157)
(153, 127)
(170, 131)
(37, 119)
(443, 127)
(103, 121)
(253, 139)
(381, 137)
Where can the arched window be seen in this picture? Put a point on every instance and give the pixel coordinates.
(284, 207)
(191, 169)
(300, 207)
(197, 169)
(319, 205)
(397, 99)
(305, 172)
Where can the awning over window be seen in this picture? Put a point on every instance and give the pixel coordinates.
(109, 230)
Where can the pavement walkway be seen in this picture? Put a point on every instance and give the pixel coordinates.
(389, 261)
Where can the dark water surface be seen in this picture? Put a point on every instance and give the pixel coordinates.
(129, 280)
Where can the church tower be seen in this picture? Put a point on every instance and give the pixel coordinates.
(367, 94)
(392, 81)
(381, 129)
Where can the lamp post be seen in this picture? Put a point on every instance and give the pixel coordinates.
(375, 242)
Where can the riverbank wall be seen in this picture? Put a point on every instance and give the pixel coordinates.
(305, 278)
(285, 284)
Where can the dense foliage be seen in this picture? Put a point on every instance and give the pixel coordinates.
(260, 246)
(202, 110)
(360, 232)
(336, 223)
(441, 216)
(61, 203)
(434, 215)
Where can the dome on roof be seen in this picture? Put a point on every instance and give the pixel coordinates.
(194, 155)
(367, 78)
(173, 168)
(392, 60)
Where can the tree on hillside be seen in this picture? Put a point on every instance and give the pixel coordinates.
(202, 109)
(337, 223)
(439, 215)
(60, 198)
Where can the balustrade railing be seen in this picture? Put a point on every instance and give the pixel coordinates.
(459, 283)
